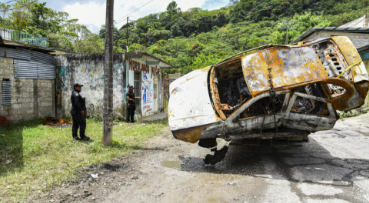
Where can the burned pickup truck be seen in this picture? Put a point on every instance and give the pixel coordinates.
(268, 93)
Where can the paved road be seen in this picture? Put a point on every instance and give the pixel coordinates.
(332, 167)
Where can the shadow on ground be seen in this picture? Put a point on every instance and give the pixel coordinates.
(309, 163)
(11, 146)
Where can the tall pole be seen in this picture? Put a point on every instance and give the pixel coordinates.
(287, 28)
(108, 76)
(287, 33)
(127, 33)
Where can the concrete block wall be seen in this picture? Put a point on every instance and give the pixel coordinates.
(88, 70)
(30, 98)
(6, 72)
(358, 39)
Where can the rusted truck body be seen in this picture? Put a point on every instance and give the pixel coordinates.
(277, 91)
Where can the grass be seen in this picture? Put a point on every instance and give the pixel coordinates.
(34, 157)
(352, 113)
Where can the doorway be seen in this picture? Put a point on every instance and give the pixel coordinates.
(137, 89)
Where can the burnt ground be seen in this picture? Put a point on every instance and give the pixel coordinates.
(332, 167)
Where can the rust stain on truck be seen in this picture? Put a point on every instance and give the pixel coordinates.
(279, 91)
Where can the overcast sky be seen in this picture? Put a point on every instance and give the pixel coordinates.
(92, 12)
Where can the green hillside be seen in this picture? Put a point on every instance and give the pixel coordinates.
(188, 39)
(197, 38)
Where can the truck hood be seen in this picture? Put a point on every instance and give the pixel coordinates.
(189, 101)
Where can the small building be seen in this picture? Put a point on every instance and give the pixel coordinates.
(140, 70)
(357, 31)
(27, 81)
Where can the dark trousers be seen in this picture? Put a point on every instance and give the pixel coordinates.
(131, 114)
(79, 121)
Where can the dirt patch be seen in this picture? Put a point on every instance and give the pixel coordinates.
(168, 170)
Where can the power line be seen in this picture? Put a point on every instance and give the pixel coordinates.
(11, 9)
(123, 18)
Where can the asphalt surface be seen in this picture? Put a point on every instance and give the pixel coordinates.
(332, 167)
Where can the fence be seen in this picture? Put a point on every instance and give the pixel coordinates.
(22, 37)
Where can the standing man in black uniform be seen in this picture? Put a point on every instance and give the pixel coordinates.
(78, 113)
(130, 105)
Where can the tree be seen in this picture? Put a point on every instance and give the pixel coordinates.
(39, 13)
(5, 8)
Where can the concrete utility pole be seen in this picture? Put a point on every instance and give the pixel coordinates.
(108, 76)
(127, 32)
(287, 28)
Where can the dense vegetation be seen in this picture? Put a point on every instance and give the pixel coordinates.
(195, 38)
(32, 17)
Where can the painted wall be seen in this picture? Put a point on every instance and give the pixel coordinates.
(88, 70)
(147, 85)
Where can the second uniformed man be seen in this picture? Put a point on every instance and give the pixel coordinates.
(78, 113)
(130, 105)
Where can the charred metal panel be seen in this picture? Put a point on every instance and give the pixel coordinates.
(190, 104)
(189, 135)
(215, 130)
(352, 56)
(309, 122)
(253, 125)
(289, 66)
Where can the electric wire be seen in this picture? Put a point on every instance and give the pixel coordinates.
(123, 18)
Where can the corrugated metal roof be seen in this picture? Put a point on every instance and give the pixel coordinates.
(33, 70)
(24, 54)
(330, 29)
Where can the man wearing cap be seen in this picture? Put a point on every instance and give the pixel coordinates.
(78, 114)
(130, 105)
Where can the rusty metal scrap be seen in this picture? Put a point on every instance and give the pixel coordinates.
(52, 121)
(278, 91)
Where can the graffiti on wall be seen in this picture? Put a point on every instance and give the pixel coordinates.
(88, 69)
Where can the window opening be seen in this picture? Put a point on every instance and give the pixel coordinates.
(310, 106)
(6, 92)
(232, 87)
(264, 106)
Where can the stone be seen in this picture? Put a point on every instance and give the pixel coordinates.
(16, 106)
(8, 60)
(21, 100)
